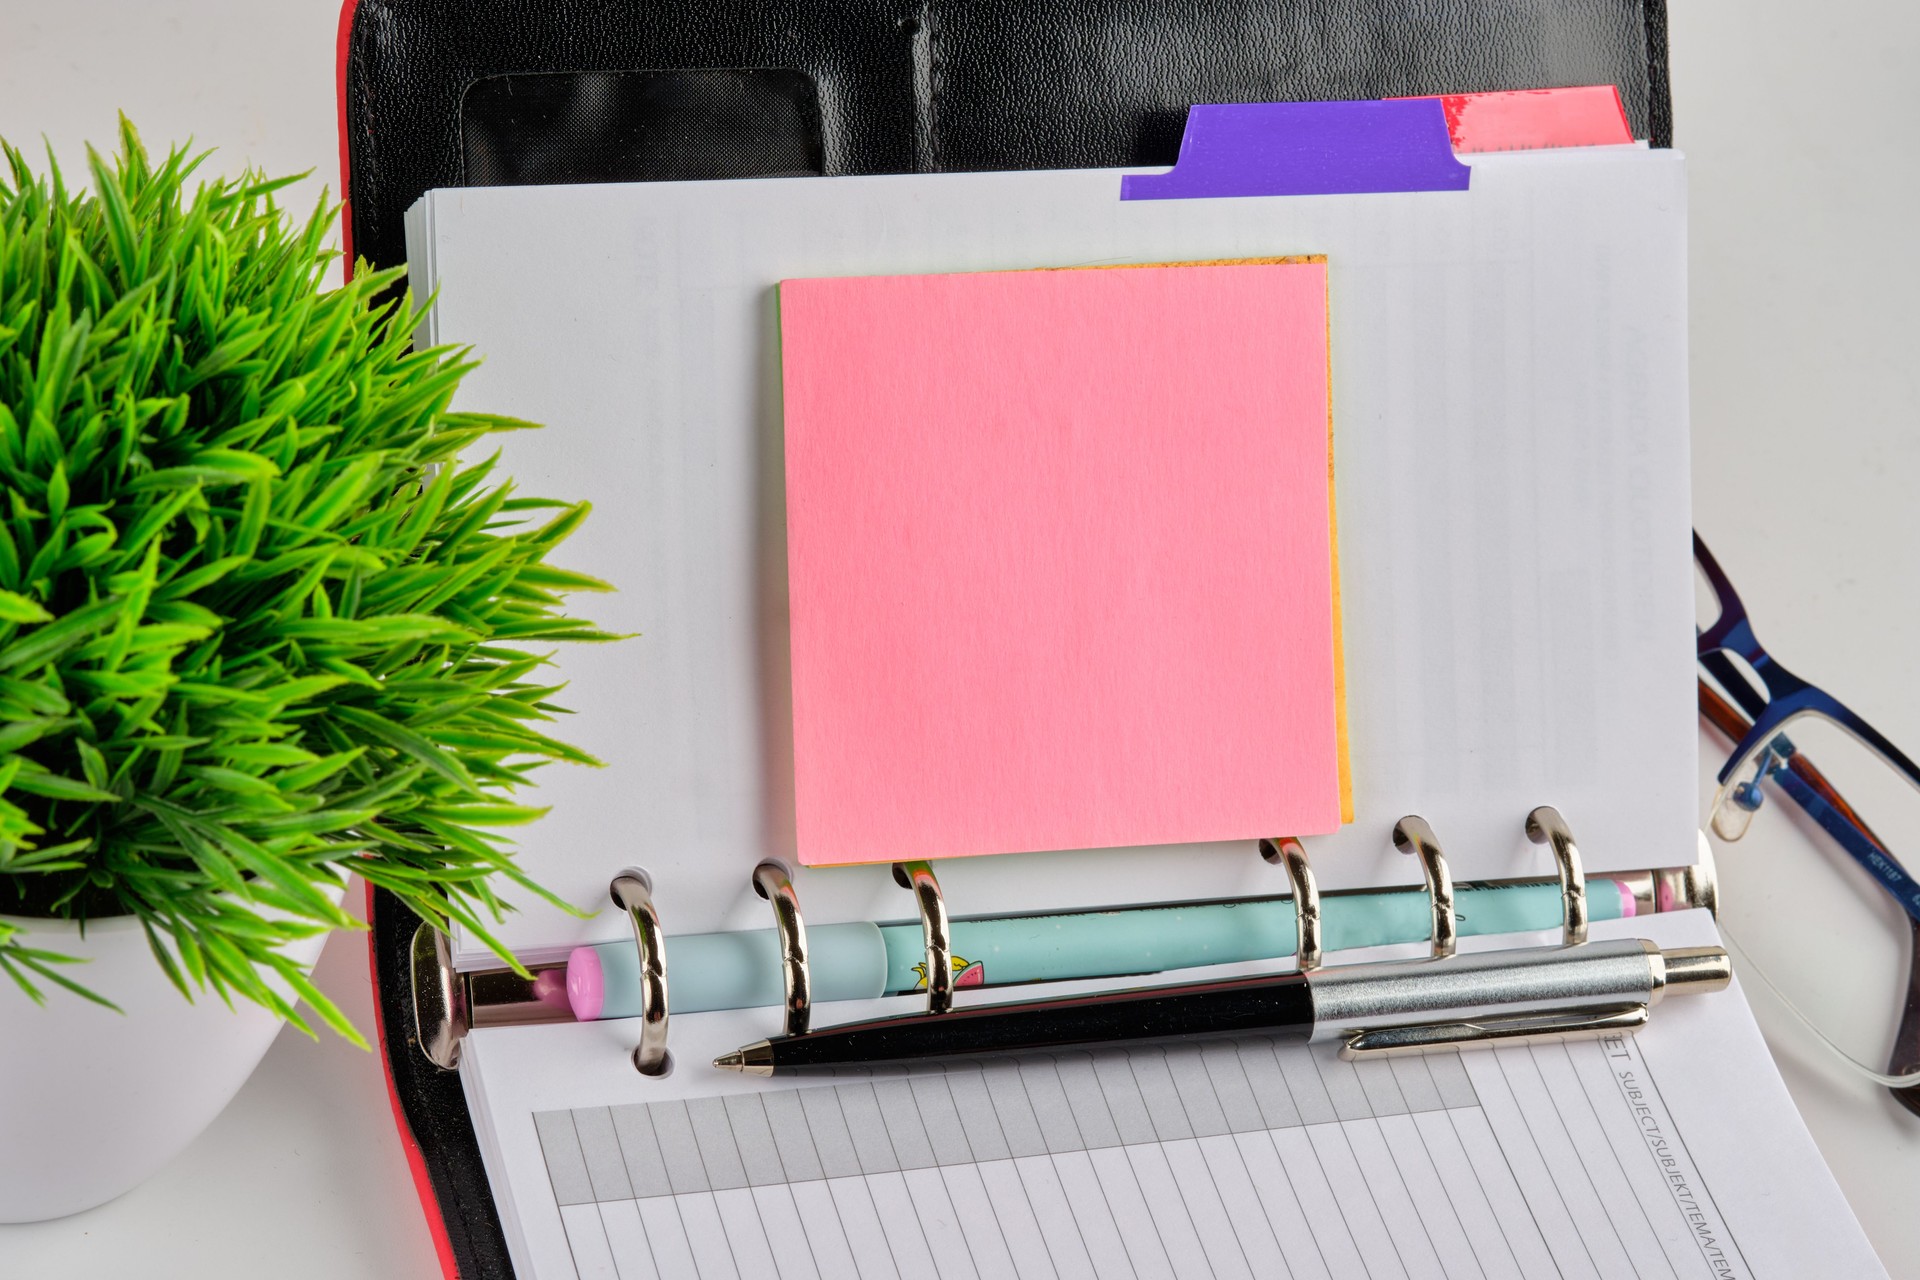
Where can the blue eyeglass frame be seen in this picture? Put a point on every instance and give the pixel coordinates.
(1783, 697)
(1787, 695)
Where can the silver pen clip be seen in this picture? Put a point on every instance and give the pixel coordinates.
(1520, 1028)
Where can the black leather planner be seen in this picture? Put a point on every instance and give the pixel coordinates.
(451, 93)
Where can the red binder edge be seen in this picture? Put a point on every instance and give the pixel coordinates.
(409, 1145)
(343, 41)
(416, 1164)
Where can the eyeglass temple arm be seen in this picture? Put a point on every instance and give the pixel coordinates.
(1738, 687)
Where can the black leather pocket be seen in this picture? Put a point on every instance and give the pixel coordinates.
(632, 126)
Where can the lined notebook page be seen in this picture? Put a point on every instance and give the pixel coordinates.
(1675, 1153)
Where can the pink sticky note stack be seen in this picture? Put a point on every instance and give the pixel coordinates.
(1059, 559)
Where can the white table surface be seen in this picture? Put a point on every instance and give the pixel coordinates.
(1799, 121)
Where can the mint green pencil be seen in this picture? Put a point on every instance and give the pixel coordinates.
(860, 961)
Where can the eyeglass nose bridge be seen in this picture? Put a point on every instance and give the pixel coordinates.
(1788, 696)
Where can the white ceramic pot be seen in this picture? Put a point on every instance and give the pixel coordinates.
(93, 1102)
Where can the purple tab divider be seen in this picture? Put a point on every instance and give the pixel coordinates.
(1307, 149)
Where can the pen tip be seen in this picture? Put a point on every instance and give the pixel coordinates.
(755, 1059)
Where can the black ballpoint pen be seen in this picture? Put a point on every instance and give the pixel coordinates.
(1598, 988)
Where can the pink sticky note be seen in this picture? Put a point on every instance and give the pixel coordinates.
(1059, 559)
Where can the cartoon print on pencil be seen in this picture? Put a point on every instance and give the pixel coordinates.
(965, 973)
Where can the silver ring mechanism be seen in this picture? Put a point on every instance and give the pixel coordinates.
(918, 877)
(1412, 835)
(632, 892)
(1291, 854)
(441, 1016)
(773, 881)
(1546, 826)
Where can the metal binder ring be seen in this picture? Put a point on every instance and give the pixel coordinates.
(918, 876)
(774, 882)
(632, 892)
(1546, 826)
(1291, 854)
(1412, 835)
(441, 1016)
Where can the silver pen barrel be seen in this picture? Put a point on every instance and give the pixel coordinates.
(1597, 988)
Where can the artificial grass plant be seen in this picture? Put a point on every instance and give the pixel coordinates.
(259, 625)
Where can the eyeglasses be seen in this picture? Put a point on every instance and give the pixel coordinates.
(1857, 911)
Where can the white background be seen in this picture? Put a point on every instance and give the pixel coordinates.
(1799, 121)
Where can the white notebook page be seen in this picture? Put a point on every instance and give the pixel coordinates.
(1673, 1153)
(1509, 401)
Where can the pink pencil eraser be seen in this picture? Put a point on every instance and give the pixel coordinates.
(586, 984)
(1628, 907)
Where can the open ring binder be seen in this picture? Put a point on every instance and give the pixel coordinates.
(1289, 853)
(918, 876)
(447, 1002)
(441, 1014)
(1412, 835)
(774, 882)
(632, 892)
(1546, 826)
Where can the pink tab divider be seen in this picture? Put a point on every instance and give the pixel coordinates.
(1536, 119)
